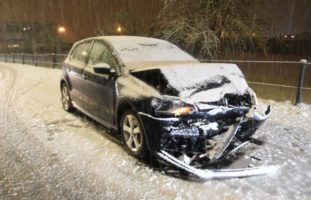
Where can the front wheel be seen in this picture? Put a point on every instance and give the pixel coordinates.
(133, 135)
(66, 100)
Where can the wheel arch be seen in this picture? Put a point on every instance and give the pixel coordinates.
(122, 107)
(125, 106)
(65, 81)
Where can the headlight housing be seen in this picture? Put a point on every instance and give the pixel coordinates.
(172, 106)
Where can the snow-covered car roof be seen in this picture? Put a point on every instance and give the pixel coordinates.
(137, 52)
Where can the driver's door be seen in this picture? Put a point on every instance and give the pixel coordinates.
(100, 87)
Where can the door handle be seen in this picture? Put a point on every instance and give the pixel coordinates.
(84, 76)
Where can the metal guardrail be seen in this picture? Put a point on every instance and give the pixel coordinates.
(300, 87)
(45, 60)
(55, 61)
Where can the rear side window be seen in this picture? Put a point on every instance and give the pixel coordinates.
(80, 52)
(100, 53)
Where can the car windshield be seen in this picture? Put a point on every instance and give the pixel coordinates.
(135, 50)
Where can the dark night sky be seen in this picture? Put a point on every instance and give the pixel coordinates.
(85, 18)
(291, 16)
(82, 18)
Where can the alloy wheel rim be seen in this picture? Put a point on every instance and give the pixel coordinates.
(132, 133)
(65, 98)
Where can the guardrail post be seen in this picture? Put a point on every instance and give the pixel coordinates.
(54, 60)
(13, 57)
(23, 58)
(5, 57)
(35, 59)
(303, 65)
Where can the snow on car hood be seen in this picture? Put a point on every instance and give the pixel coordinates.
(203, 82)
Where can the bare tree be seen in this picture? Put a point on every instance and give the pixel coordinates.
(203, 27)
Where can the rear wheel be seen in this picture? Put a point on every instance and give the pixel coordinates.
(66, 100)
(133, 135)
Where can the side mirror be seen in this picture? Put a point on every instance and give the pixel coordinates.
(103, 68)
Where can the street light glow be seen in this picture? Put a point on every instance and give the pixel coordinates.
(61, 29)
(119, 29)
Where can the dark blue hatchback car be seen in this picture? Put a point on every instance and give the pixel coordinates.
(160, 99)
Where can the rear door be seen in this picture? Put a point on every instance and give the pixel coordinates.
(75, 66)
(100, 88)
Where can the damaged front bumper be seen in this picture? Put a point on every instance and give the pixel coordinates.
(205, 138)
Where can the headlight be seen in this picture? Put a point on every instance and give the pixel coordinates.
(172, 106)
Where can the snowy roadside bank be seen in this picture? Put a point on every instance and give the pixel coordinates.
(46, 152)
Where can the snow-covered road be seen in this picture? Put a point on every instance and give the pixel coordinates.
(46, 153)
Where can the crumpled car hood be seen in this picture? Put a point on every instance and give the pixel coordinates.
(203, 82)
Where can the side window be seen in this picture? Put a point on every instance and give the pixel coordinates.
(72, 53)
(100, 53)
(80, 52)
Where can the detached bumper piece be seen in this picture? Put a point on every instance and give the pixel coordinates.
(217, 174)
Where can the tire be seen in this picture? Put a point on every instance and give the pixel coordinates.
(66, 99)
(133, 135)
